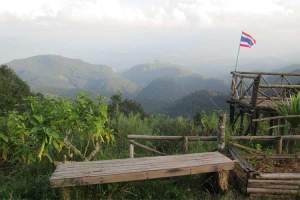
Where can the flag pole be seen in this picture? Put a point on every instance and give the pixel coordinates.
(237, 57)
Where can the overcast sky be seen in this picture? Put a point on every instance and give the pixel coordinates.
(122, 33)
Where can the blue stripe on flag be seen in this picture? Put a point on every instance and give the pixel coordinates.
(244, 39)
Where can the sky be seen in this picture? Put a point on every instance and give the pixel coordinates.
(200, 34)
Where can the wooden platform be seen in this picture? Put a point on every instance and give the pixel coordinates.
(133, 169)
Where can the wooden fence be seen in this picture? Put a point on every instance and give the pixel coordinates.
(222, 139)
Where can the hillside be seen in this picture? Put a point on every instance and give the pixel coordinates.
(58, 75)
(198, 101)
(143, 74)
(164, 91)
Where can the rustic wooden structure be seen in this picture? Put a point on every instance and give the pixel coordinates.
(255, 94)
(133, 169)
(71, 174)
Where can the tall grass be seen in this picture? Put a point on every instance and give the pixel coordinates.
(290, 107)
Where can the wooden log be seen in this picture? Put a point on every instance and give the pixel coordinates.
(146, 147)
(271, 191)
(279, 145)
(223, 177)
(242, 162)
(172, 138)
(267, 73)
(185, 144)
(279, 176)
(270, 181)
(280, 86)
(276, 117)
(255, 90)
(254, 138)
(66, 193)
(264, 137)
(221, 132)
(248, 149)
(273, 186)
(131, 151)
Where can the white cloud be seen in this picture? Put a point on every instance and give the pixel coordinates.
(186, 31)
(163, 12)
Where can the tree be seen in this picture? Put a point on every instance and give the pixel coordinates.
(12, 90)
(55, 128)
(126, 106)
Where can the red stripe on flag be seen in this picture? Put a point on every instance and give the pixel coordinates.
(245, 45)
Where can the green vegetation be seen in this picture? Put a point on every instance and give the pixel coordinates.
(291, 107)
(12, 90)
(50, 130)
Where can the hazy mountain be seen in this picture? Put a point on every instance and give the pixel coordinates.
(53, 74)
(290, 68)
(164, 91)
(198, 101)
(145, 73)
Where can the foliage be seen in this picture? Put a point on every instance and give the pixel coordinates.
(12, 90)
(55, 128)
(291, 107)
(208, 123)
(126, 106)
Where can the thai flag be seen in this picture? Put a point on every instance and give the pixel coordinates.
(247, 40)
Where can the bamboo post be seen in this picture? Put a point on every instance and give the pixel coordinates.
(221, 132)
(185, 144)
(255, 90)
(131, 150)
(223, 177)
(279, 145)
(66, 191)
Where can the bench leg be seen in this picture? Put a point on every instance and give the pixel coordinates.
(223, 177)
(66, 193)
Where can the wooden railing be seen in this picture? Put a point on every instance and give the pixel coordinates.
(220, 138)
(258, 87)
(185, 139)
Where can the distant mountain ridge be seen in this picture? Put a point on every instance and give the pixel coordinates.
(54, 74)
(199, 101)
(143, 74)
(164, 91)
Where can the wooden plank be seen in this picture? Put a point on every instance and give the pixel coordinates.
(280, 86)
(268, 73)
(76, 173)
(276, 117)
(145, 147)
(279, 176)
(271, 191)
(272, 181)
(171, 138)
(121, 169)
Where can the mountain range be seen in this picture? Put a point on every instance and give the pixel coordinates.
(58, 75)
(159, 87)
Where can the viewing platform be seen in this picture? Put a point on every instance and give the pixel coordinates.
(257, 94)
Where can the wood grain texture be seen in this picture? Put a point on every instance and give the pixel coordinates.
(133, 169)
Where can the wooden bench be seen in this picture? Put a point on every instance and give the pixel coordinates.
(134, 169)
